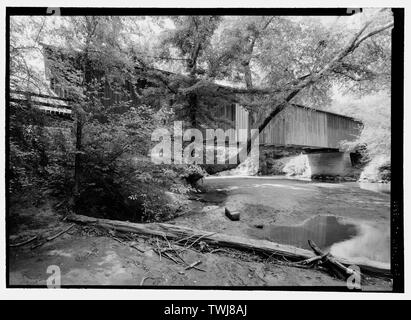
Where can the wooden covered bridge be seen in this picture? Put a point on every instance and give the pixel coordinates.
(299, 127)
(296, 126)
(317, 133)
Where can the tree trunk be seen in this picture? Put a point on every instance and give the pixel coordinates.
(192, 102)
(247, 75)
(77, 157)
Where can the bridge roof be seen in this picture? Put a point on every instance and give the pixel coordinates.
(327, 112)
(233, 84)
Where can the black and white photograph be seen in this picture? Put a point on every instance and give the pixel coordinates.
(192, 148)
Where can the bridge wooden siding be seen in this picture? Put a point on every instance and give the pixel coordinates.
(304, 127)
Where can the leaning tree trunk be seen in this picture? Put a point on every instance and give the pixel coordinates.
(80, 117)
(310, 79)
(192, 109)
(271, 116)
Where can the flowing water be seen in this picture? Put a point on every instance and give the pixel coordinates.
(376, 187)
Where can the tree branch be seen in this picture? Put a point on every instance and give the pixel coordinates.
(374, 32)
(293, 85)
(355, 41)
(249, 51)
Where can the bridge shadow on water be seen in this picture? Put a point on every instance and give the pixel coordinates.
(323, 230)
(357, 242)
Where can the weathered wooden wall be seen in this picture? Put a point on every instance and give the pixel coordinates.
(242, 120)
(305, 127)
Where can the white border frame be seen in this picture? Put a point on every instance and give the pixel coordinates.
(145, 294)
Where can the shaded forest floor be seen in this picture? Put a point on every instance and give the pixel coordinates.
(86, 258)
(100, 260)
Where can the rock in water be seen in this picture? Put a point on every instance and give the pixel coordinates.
(232, 215)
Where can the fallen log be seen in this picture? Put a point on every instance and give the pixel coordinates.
(175, 232)
(191, 235)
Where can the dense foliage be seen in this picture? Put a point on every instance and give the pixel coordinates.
(166, 68)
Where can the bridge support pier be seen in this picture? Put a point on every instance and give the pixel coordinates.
(329, 163)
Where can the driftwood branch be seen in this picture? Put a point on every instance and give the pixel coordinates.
(53, 237)
(126, 244)
(331, 262)
(192, 265)
(22, 243)
(60, 233)
(179, 233)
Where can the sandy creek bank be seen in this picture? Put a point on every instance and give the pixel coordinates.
(87, 256)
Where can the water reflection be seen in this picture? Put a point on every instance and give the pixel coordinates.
(358, 242)
(323, 230)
